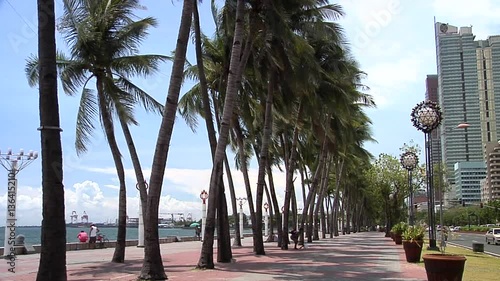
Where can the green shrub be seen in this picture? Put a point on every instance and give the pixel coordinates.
(414, 233)
(399, 228)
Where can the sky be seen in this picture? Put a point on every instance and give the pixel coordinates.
(392, 40)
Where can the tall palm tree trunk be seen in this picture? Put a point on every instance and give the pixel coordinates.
(270, 236)
(152, 267)
(336, 199)
(244, 170)
(323, 219)
(263, 159)
(206, 256)
(289, 178)
(321, 193)
(119, 254)
(308, 203)
(209, 123)
(275, 205)
(236, 217)
(136, 163)
(52, 264)
(224, 253)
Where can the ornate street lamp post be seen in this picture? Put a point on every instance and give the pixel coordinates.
(266, 219)
(203, 197)
(426, 116)
(298, 214)
(13, 163)
(283, 217)
(140, 230)
(409, 161)
(241, 215)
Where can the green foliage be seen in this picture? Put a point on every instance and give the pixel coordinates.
(399, 228)
(475, 228)
(411, 146)
(414, 233)
(390, 182)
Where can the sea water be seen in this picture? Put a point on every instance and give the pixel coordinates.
(32, 234)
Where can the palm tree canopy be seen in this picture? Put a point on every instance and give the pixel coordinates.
(103, 38)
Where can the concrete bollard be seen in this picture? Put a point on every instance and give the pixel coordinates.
(477, 247)
(19, 241)
(19, 245)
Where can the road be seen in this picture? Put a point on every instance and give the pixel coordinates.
(466, 239)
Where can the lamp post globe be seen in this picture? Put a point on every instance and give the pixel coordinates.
(409, 161)
(203, 197)
(427, 116)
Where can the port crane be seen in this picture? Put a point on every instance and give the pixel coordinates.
(74, 217)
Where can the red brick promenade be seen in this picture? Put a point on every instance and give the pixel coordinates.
(360, 256)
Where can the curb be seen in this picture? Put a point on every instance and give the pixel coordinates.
(470, 248)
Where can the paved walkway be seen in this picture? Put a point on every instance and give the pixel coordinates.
(359, 256)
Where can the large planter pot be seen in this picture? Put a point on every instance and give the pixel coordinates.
(413, 250)
(392, 235)
(444, 267)
(398, 239)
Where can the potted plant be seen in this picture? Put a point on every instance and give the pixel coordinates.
(444, 266)
(413, 240)
(398, 230)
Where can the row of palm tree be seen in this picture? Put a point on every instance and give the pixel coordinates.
(298, 93)
(276, 82)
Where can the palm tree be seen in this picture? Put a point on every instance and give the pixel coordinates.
(152, 268)
(108, 55)
(53, 253)
(206, 256)
(224, 239)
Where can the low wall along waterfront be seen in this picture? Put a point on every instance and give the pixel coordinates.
(75, 246)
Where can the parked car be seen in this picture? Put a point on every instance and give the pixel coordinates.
(493, 235)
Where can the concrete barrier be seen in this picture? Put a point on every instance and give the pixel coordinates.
(76, 246)
(477, 247)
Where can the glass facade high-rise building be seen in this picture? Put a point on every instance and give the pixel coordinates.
(468, 176)
(488, 73)
(458, 95)
(431, 93)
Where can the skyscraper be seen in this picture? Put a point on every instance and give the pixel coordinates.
(488, 73)
(431, 93)
(458, 95)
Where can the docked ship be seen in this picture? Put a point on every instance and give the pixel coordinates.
(85, 223)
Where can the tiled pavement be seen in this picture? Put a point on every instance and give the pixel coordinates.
(359, 256)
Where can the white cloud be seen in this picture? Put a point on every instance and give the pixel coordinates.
(365, 22)
(481, 14)
(112, 186)
(88, 197)
(391, 80)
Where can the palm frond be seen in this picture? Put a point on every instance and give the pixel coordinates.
(129, 37)
(142, 65)
(31, 70)
(119, 102)
(140, 96)
(87, 113)
(73, 74)
(190, 106)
